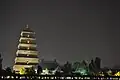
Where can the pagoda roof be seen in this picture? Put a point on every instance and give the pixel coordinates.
(27, 29)
(50, 65)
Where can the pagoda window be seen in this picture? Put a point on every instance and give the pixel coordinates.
(25, 36)
(27, 55)
(28, 41)
(28, 48)
(27, 62)
(28, 35)
(28, 30)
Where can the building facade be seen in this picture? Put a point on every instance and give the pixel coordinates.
(27, 54)
(49, 67)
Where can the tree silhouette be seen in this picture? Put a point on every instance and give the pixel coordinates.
(39, 70)
(0, 64)
(8, 71)
(30, 71)
(67, 68)
(75, 65)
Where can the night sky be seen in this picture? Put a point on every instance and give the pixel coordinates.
(65, 30)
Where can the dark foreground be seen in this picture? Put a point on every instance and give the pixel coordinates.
(54, 77)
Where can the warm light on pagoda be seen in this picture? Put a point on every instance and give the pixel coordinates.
(28, 48)
(27, 62)
(28, 41)
(28, 35)
(25, 47)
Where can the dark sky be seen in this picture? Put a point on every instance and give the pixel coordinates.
(66, 30)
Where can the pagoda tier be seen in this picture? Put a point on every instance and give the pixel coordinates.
(27, 54)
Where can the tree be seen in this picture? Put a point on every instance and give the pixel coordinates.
(39, 70)
(92, 67)
(30, 71)
(22, 71)
(0, 64)
(81, 68)
(81, 71)
(109, 73)
(75, 65)
(8, 71)
(67, 68)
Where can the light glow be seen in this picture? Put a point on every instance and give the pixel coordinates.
(26, 52)
(44, 72)
(22, 71)
(117, 74)
(25, 38)
(28, 48)
(28, 41)
(27, 32)
(24, 60)
(26, 45)
(18, 67)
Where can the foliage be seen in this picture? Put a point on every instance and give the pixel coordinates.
(22, 71)
(117, 74)
(75, 65)
(39, 70)
(8, 69)
(30, 71)
(109, 73)
(81, 71)
(67, 68)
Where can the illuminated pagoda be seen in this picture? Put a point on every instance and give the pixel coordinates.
(27, 54)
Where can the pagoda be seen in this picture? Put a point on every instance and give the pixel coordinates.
(27, 54)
